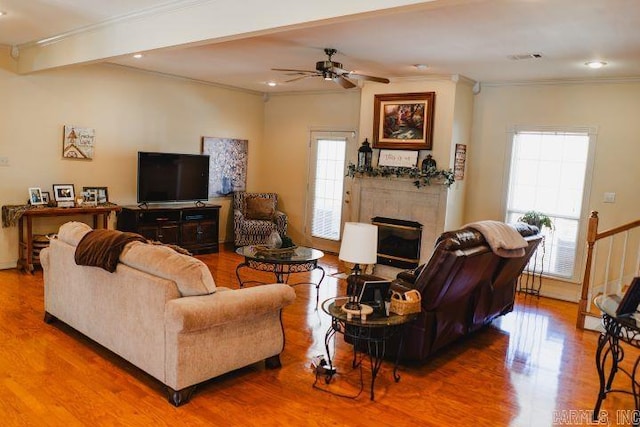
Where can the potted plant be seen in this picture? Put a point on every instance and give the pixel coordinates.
(536, 218)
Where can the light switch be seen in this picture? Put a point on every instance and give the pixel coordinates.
(4, 161)
(609, 197)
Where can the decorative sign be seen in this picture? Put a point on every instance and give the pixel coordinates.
(398, 158)
(459, 162)
(78, 143)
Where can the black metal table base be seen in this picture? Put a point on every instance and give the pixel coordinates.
(375, 339)
(530, 281)
(281, 272)
(610, 351)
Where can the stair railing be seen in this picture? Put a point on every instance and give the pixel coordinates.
(601, 275)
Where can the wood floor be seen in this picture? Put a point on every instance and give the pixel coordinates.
(530, 368)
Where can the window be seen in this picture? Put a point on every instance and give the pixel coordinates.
(548, 173)
(328, 187)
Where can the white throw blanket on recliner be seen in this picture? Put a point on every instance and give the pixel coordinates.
(503, 239)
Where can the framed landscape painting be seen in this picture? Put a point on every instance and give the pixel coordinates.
(403, 121)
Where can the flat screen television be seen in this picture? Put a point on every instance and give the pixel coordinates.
(172, 177)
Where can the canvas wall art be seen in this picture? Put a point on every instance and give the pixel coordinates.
(227, 164)
(78, 143)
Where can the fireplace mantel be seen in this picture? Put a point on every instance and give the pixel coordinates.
(399, 198)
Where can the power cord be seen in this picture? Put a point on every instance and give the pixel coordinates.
(323, 370)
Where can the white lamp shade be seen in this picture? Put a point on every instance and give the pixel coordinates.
(359, 243)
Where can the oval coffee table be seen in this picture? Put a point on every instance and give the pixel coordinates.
(301, 260)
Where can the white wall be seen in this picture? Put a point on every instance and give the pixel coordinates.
(460, 134)
(129, 110)
(284, 159)
(611, 107)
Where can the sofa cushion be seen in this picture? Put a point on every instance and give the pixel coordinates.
(260, 208)
(191, 275)
(72, 232)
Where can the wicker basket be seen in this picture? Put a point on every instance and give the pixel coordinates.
(405, 303)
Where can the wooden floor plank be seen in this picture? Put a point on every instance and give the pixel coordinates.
(528, 368)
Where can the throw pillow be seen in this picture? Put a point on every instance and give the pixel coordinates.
(260, 208)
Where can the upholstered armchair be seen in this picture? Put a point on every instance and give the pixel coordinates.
(255, 216)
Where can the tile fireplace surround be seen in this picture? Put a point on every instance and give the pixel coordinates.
(399, 198)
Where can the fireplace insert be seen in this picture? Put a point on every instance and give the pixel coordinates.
(398, 242)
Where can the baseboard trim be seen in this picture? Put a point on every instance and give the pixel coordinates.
(8, 264)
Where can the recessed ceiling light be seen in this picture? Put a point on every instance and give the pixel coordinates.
(138, 55)
(595, 64)
(272, 84)
(421, 66)
(2, 13)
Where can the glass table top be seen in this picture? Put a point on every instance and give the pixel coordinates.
(298, 255)
(333, 307)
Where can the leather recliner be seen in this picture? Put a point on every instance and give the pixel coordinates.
(464, 286)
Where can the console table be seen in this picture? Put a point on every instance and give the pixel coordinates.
(25, 245)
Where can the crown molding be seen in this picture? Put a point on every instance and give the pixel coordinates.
(562, 82)
(150, 11)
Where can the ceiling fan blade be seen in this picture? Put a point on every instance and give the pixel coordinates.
(293, 70)
(300, 78)
(338, 70)
(343, 82)
(365, 77)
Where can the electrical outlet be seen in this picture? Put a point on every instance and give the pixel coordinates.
(609, 197)
(4, 161)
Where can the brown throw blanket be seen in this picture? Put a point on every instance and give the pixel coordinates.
(102, 248)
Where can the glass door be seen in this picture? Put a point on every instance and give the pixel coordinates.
(325, 198)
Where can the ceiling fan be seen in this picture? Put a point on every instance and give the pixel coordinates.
(330, 70)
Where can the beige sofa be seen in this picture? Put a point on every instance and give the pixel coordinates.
(161, 311)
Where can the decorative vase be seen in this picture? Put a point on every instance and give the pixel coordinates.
(274, 241)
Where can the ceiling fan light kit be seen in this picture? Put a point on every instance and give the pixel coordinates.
(331, 71)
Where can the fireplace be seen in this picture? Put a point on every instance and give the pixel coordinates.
(399, 242)
(372, 197)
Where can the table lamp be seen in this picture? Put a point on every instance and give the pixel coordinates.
(359, 246)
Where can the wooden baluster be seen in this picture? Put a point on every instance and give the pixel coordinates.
(605, 288)
(592, 232)
(623, 262)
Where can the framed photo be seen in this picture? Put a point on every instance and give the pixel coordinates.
(403, 121)
(46, 197)
(63, 192)
(35, 196)
(102, 194)
(398, 158)
(90, 197)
